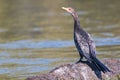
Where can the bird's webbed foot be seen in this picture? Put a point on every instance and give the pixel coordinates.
(80, 60)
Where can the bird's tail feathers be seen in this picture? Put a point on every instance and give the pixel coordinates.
(100, 65)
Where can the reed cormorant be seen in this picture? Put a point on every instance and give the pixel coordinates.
(84, 43)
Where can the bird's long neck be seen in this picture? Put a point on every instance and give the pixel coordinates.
(77, 28)
(76, 22)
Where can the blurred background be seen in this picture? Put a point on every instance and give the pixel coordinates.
(37, 35)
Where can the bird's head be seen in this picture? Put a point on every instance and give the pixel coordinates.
(70, 10)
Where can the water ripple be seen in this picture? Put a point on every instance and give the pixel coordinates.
(27, 61)
(107, 41)
(31, 44)
(21, 44)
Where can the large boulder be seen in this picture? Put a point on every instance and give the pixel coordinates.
(82, 71)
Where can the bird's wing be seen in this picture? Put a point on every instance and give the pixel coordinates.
(92, 46)
(86, 47)
(82, 45)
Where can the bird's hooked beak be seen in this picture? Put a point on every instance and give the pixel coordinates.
(69, 10)
(65, 9)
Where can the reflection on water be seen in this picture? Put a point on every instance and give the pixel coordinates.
(36, 36)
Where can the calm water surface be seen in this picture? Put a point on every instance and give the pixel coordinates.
(36, 35)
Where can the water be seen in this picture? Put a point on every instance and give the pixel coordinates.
(36, 36)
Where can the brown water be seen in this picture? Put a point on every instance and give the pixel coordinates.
(36, 35)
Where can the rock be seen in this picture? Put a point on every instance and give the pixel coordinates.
(82, 71)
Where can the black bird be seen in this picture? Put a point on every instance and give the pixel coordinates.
(84, 43)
